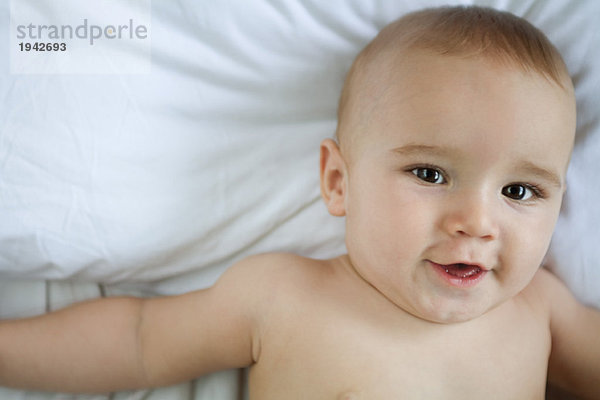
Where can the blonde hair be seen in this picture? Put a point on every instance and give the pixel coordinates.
(463, 31)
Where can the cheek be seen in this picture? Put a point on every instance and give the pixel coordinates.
(537, 232)
(387, 218)
(528, 244)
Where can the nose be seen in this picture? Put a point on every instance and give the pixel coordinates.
(471, 214)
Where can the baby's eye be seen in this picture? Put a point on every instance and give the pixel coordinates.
(429, 174)
(519, 191)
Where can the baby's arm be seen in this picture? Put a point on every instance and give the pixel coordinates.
(575, 357)
(126, 343)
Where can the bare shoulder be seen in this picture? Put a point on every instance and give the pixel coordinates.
(271, 269)
(223, 326)
(266, 281)
(269, 287)
(574, 362)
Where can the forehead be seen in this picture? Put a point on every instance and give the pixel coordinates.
(472, 104)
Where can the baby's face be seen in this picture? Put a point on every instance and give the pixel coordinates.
(463, 161)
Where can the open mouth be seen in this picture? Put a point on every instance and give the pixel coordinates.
(460, 275)
(462, 271)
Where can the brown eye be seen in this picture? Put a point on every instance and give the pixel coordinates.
(430, 175)
(517, 192)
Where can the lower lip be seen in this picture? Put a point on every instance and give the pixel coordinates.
(456, 281)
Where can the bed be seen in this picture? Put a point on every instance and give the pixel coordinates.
(154, 161)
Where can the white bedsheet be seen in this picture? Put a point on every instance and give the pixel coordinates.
(213, 154)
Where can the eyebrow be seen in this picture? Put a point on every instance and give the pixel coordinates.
(542, 173)
(411, 149)
(526, 167)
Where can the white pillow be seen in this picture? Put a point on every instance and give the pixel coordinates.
(176, 173)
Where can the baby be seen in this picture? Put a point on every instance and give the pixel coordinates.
(455, 130)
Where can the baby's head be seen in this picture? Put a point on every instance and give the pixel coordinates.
(455, 131)
(475, 33)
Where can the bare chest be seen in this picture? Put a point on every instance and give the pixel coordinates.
(340, 356)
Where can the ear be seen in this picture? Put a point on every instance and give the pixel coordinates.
(333, 178)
